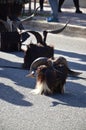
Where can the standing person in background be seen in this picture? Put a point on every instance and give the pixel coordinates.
(41, 2)
(54, 7)
(76, 4)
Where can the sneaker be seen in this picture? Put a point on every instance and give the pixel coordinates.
(51, 19)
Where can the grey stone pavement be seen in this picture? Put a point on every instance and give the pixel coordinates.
(21, 110)
(76, 26)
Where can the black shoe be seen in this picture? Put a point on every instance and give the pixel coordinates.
(59, 10)
(78, 11)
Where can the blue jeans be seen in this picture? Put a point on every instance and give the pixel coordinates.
(54, 7)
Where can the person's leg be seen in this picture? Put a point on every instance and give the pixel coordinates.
(76, 3)
(41, 2)
(54, 7)
(60, 5)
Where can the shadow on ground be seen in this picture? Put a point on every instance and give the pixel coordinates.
(12, 96)
(74, 96)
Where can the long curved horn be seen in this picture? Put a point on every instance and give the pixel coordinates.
(31, 16)
(59, 30)
(36, 34)
(39, 61)
(45, 32)
(45, 37)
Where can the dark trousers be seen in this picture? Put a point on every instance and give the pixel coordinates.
(76, 4)
(41, 2)
(54, 7)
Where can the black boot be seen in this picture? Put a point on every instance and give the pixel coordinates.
(76, 3)
(60, 5)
